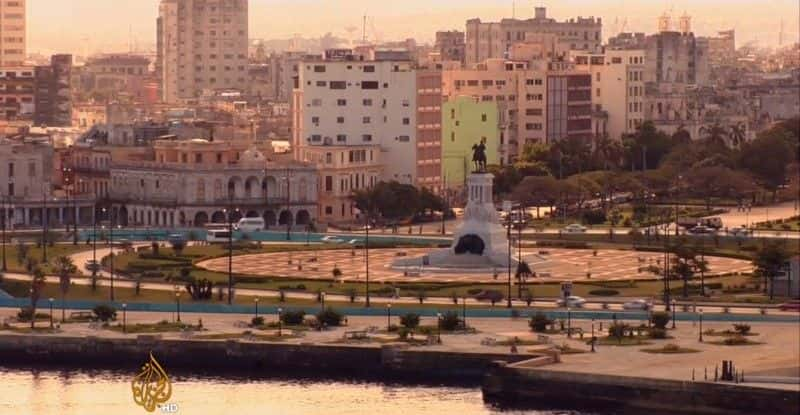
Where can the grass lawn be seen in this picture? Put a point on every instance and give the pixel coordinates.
(16, 264)
(247, 335)
(623, 341)
(735, 341)
(160, 327)
(670, 349)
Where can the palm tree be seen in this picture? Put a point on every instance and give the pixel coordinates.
(768, 262)
(64, 268)
(37, 287)
(736, 134)
(523, 273)
(714, 134)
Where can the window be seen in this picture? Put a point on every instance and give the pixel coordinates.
(406, 121)
(328, 183)
(338, 85)
(329, 210)
(322, 83)
(367, 102)
(315, 120)
(10, 169)
(341, 102)
(533, 126)
(198, 158)
(316, 102)
(369, 85)
(404, 139)
(369, 68)
(366, 137)
(341, 138)
(483, 117)
(319, 68)
(340, 120)
(366, 120)
(533, 111)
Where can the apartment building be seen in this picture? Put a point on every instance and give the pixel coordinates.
(492, 40)
(451, 45)
(519, 90)
(467, 121)
(569, 104)
(429, 128)
(17, 93)
(202, 45)
(38, 94)
(12, 33)
(617, 89)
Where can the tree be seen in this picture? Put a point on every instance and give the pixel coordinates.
(737, 134)
(410, 320)
(768, 262)
(505, 178)
(37, 287)
(523, 273)
(714, 134)
(684, 263)
(645, 148)
(391, 200)
(64, 267)
(774, 148)
(720, 182)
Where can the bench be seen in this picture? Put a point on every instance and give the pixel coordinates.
(82, 315)
(575, 330)
(355, 335)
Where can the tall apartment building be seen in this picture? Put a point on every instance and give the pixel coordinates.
(518, 88)
(451, 45)
(429, 128)
(12, 32)
(618, 89)
(202, 45)
(494, 39)
(670, 56)
(569, 104)
(347, 100)
(40, 94)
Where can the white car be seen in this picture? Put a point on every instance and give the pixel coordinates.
(639, 304)
(251, 225)
(575, 228)
(572, 301)
(740, 231)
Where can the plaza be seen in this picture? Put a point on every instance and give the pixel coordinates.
(549, 264)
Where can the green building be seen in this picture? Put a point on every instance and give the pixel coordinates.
(465, 123)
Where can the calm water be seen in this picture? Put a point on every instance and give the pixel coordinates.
(80, 393)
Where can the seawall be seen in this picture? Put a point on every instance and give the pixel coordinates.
(516, 384)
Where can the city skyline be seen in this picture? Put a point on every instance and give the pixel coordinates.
(131, 25)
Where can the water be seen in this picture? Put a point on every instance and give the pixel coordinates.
(70, 392)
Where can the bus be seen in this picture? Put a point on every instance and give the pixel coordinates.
(216, 236)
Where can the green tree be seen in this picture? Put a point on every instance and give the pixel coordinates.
(37, 288)
(768, 262)
(767, 158)
(647, 146)
(714, 134)
(522, 275)
(64, 267)
(737, 134)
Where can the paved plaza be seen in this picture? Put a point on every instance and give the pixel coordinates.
(550, 264)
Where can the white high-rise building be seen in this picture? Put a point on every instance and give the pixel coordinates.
(350, 101)
(12, 33)
(202, 45)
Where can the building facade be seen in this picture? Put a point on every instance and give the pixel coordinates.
(429, 128)
(491, 40)
(451, 46)
(12, 33)
(196, 182)
(202, 45)
(569, 105)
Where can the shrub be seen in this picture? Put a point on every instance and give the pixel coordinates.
(594, 217)
(604, 292)
(742, 329)
(450, 321)
(617, 330)
(657, 333)
(410, 320)
(735, 340)
(660, 319)
(105, 313)
(24, 314)
(474, 291)
(257, 321)
(293, 317)
(330, 317)
(539, 322)
(352, 294)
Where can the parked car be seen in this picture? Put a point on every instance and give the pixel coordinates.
(251, 225)
(575, 228)
(92, 265)
(702, 230)
(639, 304)
(572, 301)
(793, 305)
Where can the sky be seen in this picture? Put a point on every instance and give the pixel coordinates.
(81, 26)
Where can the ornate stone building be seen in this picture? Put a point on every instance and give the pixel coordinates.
(196, 182)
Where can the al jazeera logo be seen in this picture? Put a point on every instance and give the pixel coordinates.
(152, 388)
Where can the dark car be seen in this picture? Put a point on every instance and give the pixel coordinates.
(793, 305)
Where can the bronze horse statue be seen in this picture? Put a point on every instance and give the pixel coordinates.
(479, 156)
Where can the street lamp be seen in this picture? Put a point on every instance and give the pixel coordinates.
(701, 325)
(124, 317)
(464, 312)
(388, 316)
(51, 312)
(439, 328)
(5, 218)
(256, 301)
(569, 322)
(593, 336)
(322, 299)
(673, 313)
(508, 225)
(280, 323)
(178, 304)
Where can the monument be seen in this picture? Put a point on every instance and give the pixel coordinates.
(480, 243)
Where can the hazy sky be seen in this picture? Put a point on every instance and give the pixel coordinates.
(78, 26)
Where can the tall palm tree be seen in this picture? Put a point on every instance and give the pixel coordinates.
(736, 134)
(768, 262)
(714, 134)
(37, 287)
(64, 268)
(523, 273)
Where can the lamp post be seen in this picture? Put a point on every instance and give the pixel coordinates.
(124, 318)
(366, 253)
(701, 325)
(322, 299)
(44, 228)
(51, 312)
(464, 311)
(256, 301)
(439, 328)
(5, 219)
(288, 205)
(229, 215)
(569, 322)
(280, 323)
(388, 316)
(508, 225)
(178, 305)
(593, 336)
(673, 313)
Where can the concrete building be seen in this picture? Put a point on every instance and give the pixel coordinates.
(202, 45)
(517, 87)
(569, 104)
(193, 182)
(429, 128)
(37, 94)
(493, 40)
(117, 75)
(12, 33)
(347, 100)
(17, 93)
(451, 45)
(722, 48)
(670, 56)
(466, 122)
(618, 89)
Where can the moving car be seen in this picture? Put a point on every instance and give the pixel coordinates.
(639, 304)
(251, 225)
(793, 305)
(218, 236)
(702, 230)
(740, 231)
(572, 301)
(575, 228)
(92, 265)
